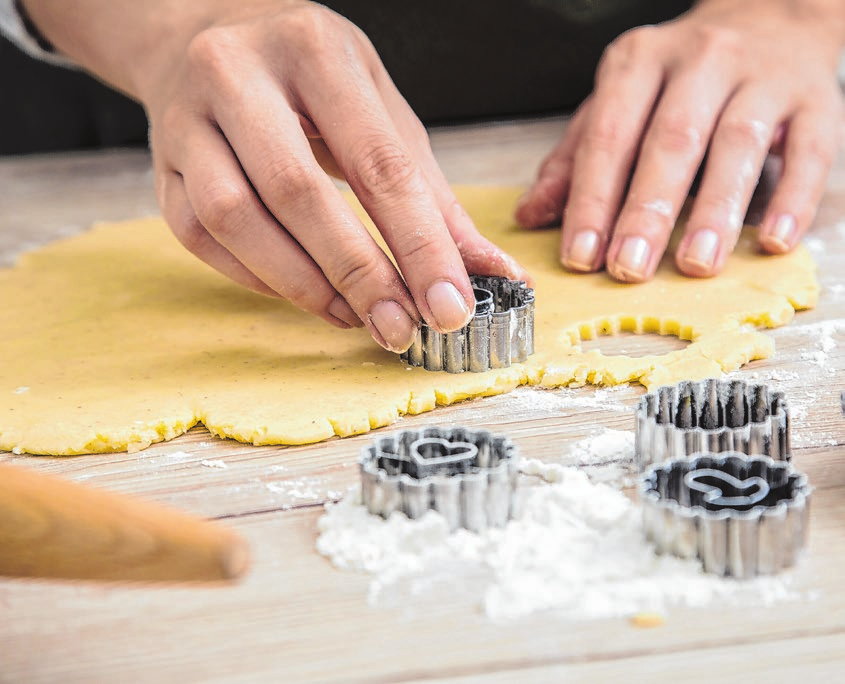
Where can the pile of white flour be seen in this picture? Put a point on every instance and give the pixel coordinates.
(576, 549)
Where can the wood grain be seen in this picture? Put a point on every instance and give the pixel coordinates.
(295, 618)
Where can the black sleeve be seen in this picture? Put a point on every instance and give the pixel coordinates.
(454, 60)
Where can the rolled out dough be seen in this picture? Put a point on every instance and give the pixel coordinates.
(119, 338)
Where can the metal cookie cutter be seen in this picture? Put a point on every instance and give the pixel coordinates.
(741, 515)
(469, 476)
(500, 333)
(678, 421)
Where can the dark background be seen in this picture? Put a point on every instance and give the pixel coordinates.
(454, 60)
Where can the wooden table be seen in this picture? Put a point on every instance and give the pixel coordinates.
(297, 618)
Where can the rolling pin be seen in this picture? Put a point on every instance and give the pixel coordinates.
(52, 528)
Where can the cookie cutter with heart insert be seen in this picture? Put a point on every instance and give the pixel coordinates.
(468, 476)
(741, 515)
(500, 333)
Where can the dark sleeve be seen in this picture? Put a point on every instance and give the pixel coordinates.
(49, 108)
(454, 60)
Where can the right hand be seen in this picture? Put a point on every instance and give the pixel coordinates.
(248, 120)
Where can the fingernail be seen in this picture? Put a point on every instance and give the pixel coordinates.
(396, 327)
(340, 309)
(582, 251)
(448, 306)
(703, 249)
(632, 259)
(783, 232)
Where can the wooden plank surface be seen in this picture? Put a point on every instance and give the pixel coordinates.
(296, 618)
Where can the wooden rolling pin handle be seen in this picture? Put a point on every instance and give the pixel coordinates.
(50, 527)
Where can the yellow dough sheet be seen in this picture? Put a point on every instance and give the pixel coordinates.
(118, 338)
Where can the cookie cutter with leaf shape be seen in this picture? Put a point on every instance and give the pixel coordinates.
(500, 333)
(679, 421)
(741, 515)
(468, 476)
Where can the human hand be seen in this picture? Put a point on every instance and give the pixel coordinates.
(732, 80)
(251, 106)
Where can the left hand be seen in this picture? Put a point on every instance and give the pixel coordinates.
(729, 80)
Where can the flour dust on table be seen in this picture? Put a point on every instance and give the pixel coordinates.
(576, 549)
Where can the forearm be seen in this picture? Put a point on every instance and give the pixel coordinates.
(128, 44)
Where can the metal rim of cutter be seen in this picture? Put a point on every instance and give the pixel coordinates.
(715, 416)
(500, 333)
(713, 507)
(468, 476)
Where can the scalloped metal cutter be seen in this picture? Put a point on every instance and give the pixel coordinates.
(469, 476)
(500, 333)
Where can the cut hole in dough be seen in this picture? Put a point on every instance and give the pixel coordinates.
(633, 345)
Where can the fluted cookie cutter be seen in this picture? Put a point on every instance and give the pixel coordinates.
(741, 515)
(678, 421)
(500, 333)
(468, 476)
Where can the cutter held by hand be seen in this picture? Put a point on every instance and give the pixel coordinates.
(741, 515)
(678, 421)
(500, 333)
(468, 476)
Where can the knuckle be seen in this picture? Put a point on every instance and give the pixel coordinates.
(627, 49)
(190, 233)
(316, 34)
(590, 209)
(209, 54)
(719, 41)
(305, 292)
(289, 183)
(676, 132)
(352, 270)
(607, 132)
(222, 209)
(722, 212)
(310, 23)
(421, 250)
(385, 168)
(745, 133)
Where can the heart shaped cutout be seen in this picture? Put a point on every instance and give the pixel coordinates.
(720, 490)
(439, 456)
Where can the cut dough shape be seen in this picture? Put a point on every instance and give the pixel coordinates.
(119, 338)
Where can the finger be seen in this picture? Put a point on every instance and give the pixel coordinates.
(811, 143)
(735, 160)
(325, 158)
(671, 153)
(543, 203)
(628, 83)
(180, 216)
(280, 166)
(227, 207)
(390, 183)
(480, 256)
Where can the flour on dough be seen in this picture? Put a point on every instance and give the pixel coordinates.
(124, 339)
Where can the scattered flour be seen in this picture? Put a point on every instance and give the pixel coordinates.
(600, 399)
(606, 446)
(302, 490)
(534, 400)
(577, 549)
(177, 455)
(221, 465)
